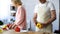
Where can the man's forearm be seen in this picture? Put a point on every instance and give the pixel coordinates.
(35, 21)
(53, 17)
(50, 20)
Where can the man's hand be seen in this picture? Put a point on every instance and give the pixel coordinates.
(44, 25)
(41, 25)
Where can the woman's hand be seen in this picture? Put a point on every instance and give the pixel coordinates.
(12, 26)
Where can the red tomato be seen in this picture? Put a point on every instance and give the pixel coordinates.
(17, 29)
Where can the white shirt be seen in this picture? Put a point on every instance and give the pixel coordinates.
(43, 11)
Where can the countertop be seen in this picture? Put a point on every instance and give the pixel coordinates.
(28, 32)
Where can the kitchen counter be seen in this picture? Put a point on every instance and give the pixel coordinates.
(29, 32)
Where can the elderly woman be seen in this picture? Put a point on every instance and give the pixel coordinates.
(20, 15)
(44, 14)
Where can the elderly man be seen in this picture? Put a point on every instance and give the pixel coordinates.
(44, 14)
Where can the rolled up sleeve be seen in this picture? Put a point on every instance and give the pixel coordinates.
(19, 16)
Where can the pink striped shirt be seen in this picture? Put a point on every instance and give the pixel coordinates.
(21, 17)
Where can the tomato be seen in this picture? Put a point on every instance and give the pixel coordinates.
(17, 29)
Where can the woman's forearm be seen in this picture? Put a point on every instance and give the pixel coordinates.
(21, 21)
